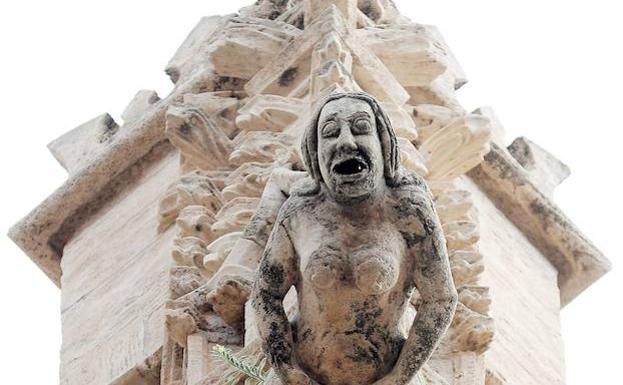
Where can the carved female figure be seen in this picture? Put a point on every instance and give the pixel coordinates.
(354, 243)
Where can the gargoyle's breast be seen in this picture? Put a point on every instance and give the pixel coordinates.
(373, 267)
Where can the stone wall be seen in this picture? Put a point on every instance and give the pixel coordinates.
(527, 348)
(115, 283)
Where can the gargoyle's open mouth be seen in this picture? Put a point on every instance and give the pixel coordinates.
(350, 166)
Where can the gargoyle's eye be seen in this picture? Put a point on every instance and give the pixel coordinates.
(330, 129)
(362, 126)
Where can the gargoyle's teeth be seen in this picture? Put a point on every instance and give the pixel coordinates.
(349, 167)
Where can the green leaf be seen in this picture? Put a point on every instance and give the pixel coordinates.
(240, 365)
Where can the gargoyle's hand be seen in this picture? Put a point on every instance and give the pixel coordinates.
(295, 376)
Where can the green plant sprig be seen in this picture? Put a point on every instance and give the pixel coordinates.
(241, 366)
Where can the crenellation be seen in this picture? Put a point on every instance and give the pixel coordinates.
(76, 148)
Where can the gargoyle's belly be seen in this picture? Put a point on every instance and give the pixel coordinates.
(333, 358)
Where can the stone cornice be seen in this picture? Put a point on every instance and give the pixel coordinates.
(43, 233)
(509, 186)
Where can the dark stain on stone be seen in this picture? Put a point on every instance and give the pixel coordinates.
(365, 355)
(306, 334)
(270, 304)
(288, 76)
(174, 74)
(412, 239)
(299, 22)
(277, 347)
(224, 83)
(185, 129)
(370, 11)
(272, 273)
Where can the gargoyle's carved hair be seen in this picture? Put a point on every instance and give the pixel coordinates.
(385, 132)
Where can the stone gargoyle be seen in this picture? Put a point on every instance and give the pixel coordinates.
(355, 241)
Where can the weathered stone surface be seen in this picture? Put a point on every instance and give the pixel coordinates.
(331, 67)
(525, 299)
(235, 215)
(142, 101)
(185, 60)
(348, 9)
(218, 250)
(195, 221)
(183, 280)
(264, 147)
(195, 188)
(198, 360)
(106, 267)
(419, 59)
(248, 180)
(220, 106)
(246, 45)
(269, 9)
(544, 170)
(202, 143)
(411, 158)
(188, 251)
(430, 118)
(498, 133)
(76, 148)
(291, 66)
(228, 299)
(269, 113)
(373, 76)
(213, 47)
(507, 184)
(457, 147)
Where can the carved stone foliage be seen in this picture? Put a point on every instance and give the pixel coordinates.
(269, 113)
(201, 142)
(248, 180)
(472, 328)
(264, 147)
(220, 106)
(196, 221)
(195, 188)
(457, 147)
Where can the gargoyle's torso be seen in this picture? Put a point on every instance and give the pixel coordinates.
(354, 285)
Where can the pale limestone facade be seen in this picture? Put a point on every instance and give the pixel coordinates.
(150, 242)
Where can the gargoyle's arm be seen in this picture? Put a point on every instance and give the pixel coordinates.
(277, 272)
(433, 279)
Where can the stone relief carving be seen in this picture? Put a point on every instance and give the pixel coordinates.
(456, 147)
(200, 141)
(195, 188)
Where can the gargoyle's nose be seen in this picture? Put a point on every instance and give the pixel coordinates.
(346, 140)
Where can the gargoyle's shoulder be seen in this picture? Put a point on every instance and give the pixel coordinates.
(297, 205)
(409, 184)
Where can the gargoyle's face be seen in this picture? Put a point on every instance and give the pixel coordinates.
(349, 150)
